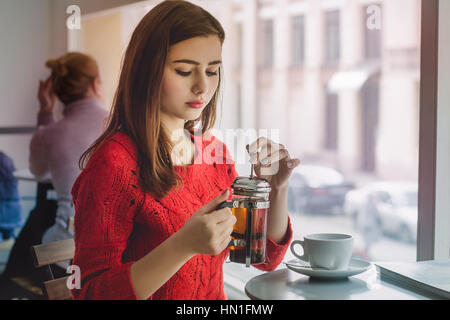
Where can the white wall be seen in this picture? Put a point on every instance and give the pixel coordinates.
(59, 17)
(31, 31)
(25, 29)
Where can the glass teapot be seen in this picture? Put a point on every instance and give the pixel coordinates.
(250, 205)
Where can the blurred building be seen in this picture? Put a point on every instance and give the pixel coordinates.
(339, 78)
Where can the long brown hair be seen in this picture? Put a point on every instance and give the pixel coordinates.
(72, 75)
(135, 109)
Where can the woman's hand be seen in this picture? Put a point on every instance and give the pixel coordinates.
(272, 162)
(46, 97)
(208, 231)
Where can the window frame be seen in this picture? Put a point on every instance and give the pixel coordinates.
(333, 21)
(433, 227)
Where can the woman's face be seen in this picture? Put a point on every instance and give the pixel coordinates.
(191, 75)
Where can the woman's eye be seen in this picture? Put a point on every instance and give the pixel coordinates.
(185, 74)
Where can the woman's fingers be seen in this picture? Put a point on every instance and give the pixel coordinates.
(292, 163)
(48, 87)
(225, 230)
(269, 155)
(227, 222)
(276, 156)
(262, 149)
(225, 242)
(256, 145)
(222, 215)
(262, 143)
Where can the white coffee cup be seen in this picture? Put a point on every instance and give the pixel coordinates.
(331, 251)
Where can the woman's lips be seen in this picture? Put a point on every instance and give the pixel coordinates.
(195, 105)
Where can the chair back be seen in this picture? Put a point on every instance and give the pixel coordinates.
(51, 253)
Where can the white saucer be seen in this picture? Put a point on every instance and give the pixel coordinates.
(355, 267)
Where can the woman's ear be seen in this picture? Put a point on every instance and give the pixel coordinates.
(96, 84)
(97, 87)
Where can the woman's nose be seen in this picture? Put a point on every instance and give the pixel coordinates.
(200, 85)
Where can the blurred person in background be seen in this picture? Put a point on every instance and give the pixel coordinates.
(55, 149)
(10, 206)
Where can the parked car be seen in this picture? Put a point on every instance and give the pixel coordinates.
(395, 206)
(317, 189)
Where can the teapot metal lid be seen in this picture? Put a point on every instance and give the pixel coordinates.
(251, 186)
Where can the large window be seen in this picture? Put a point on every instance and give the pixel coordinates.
(267, 50)
(332, 37)
(362, 129)
(298, 40)
(357, 136)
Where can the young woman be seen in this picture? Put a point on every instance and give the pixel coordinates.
(146, 225)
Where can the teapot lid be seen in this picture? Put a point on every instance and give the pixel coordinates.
(251, 186)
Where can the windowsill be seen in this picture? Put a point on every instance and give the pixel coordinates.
(236, 276)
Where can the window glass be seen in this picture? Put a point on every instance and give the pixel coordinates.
(332, 36)
(268, 43)
(350, 114)
(298, 40)
(317, 176)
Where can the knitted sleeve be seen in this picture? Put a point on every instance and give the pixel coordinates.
(105, 202)
(275, 252)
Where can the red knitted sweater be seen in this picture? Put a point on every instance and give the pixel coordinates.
(116, 223)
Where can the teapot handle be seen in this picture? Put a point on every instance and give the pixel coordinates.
(225, 204)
